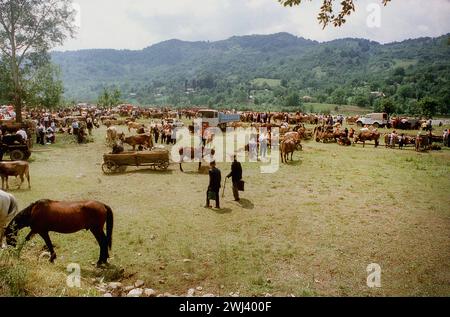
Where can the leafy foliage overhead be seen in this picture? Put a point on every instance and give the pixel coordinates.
(327, 13)
(28, 30)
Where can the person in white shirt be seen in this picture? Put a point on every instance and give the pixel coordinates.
(50, 136)
(23, 134)
(263, 144)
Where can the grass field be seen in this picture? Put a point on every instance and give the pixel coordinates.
(331, 108)
(311, 229)
(260, 82)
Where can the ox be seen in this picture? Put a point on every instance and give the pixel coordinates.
(287, 146)
(134, 125)
(296, 137)
(17, 169)
(368, 136)
(141, 139)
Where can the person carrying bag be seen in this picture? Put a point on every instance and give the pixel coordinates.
(236, 177)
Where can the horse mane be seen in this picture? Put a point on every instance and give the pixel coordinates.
(26, 212)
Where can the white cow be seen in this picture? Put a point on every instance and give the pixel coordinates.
(8, 210)
(111, 135)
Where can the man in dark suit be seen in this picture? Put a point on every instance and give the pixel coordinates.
(236, 177)
(215, 179)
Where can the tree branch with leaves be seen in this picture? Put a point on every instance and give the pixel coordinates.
(28, 30)
(328, 13)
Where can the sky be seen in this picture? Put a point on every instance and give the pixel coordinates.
(136, 24)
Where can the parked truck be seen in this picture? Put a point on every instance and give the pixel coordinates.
(374, 119)
(214, 118)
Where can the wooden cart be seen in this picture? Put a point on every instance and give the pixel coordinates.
(117, 163)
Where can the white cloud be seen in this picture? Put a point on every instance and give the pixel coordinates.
(135, 24)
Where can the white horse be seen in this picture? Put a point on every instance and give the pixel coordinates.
(8, 210)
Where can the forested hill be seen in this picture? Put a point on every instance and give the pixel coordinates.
(264, 70)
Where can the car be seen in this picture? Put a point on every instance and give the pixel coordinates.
(374, 119)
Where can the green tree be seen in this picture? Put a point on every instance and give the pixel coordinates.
(104, 99)
(386, 105)
(46, 88)
(293, 100)
(5, 83)
(327, 14)
(428, 106)
(339, 96)
(405, 91)
(29, 28)
(399, 71)
(116, 96)
(109, 98)
(361, 101)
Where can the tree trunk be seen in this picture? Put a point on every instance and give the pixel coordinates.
(18, 106)
(16, 78)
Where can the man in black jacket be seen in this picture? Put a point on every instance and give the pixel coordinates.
(236, 177)
(215, 179)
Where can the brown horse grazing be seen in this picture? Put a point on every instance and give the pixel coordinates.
(44, 216)
(194, 153)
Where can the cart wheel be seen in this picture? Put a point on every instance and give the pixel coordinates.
(109, 167)
(17, 155)
(163, 165)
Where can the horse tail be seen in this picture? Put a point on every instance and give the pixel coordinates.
(109, 225)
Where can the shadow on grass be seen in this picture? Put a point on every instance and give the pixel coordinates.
(14, 189)
(193, 173)
(295, 162)
(109, 272)
(223, 211)
(246, 204)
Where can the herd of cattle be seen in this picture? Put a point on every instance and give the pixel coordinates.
(161, 129)
(291, 126)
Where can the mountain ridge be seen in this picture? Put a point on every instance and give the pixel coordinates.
(225, 69)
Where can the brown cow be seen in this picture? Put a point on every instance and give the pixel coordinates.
(286, 147)
(294, 136)
(351, 120)
(17, 168)
(368, 136)
(134, 125)
(423, 143)
(141, 139)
